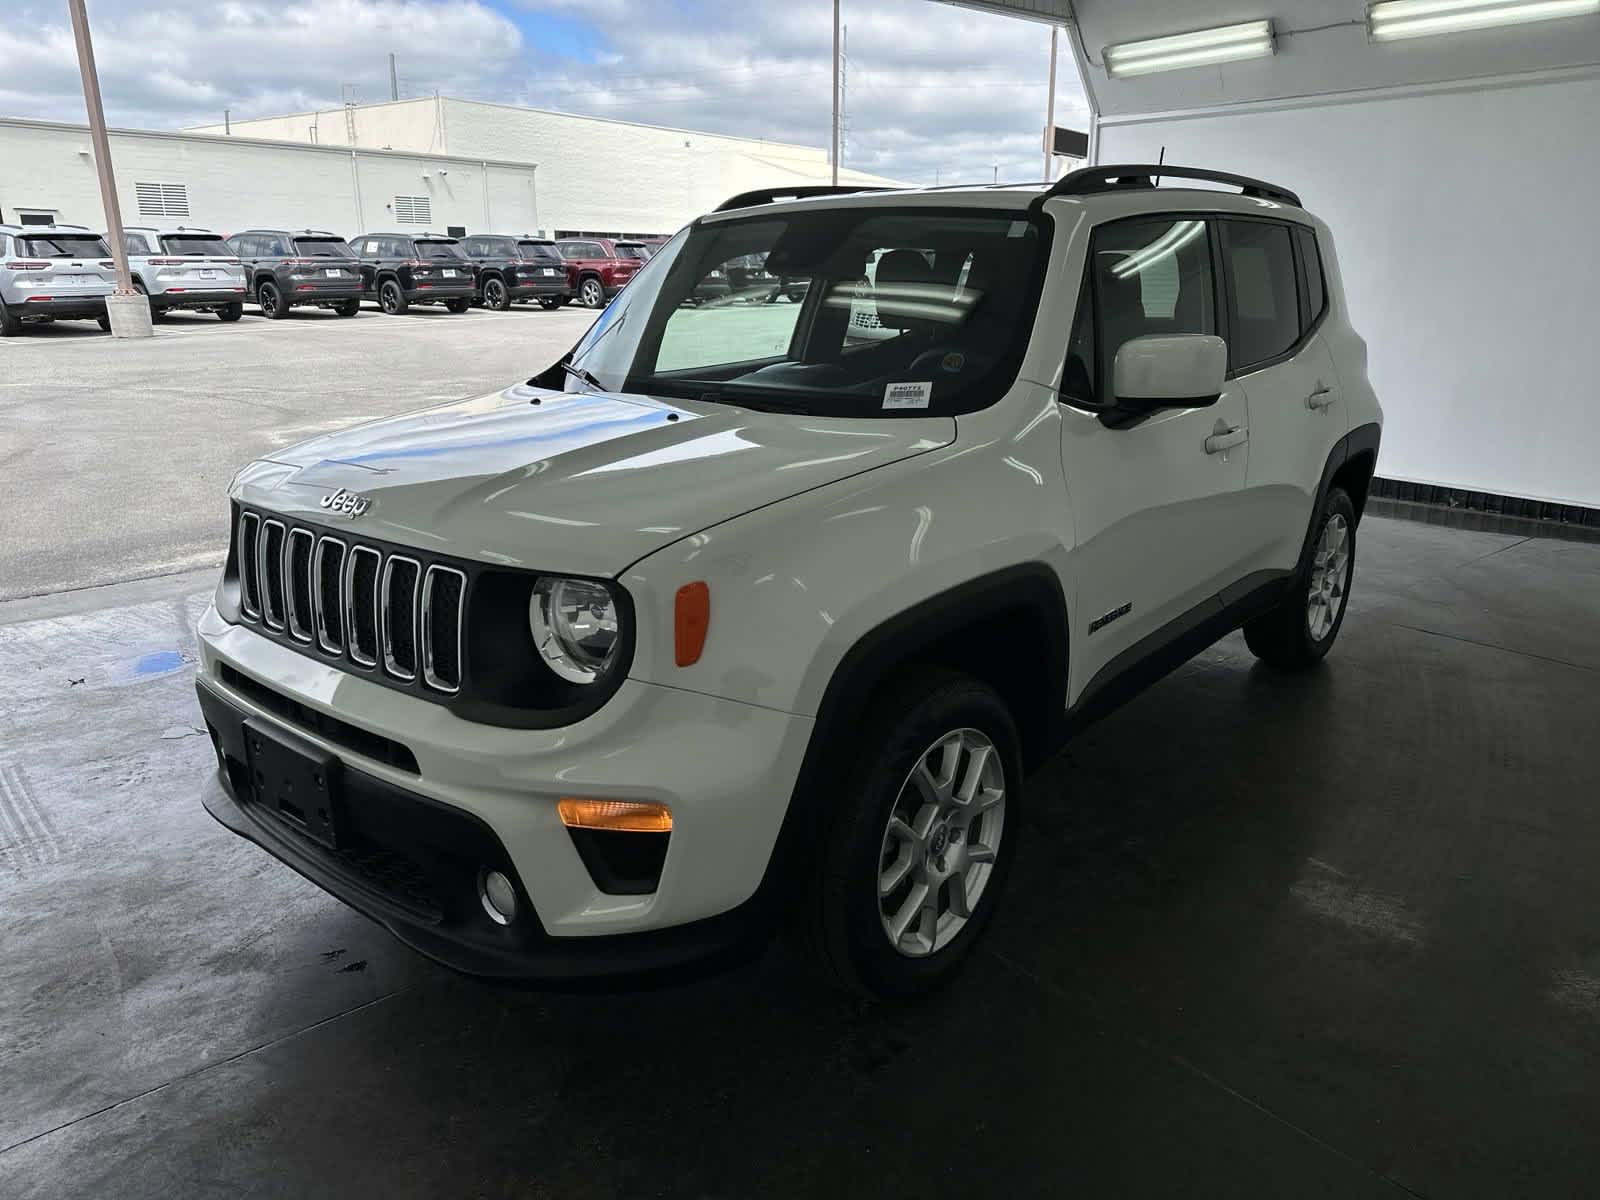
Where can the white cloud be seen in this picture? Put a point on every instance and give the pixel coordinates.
(932, 89)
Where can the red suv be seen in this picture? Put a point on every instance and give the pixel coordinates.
(595, 271)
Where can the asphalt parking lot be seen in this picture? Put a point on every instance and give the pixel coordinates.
(115, 455)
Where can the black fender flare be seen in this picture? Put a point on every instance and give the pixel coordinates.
(1363, 439)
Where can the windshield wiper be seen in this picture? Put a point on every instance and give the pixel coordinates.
(581, 375)
(760, 401)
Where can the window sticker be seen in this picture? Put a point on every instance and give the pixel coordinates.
(907, 395)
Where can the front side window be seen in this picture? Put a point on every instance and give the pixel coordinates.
(65, 245)
(1264, 307)
(1146, 277)
(954, 293)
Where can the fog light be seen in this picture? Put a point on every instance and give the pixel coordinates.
(499, 898)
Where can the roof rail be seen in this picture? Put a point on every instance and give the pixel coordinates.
(1090, 180)
(793, 192)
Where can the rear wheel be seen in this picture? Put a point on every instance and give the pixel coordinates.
(496, 295)
(231, 312)
(591, 294)
(1300, 629)
(10, 325)
(347, 308)
(918, 836)
(457, 306)
(391, 299)
(271, 301)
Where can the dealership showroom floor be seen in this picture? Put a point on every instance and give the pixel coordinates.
(1326, 935)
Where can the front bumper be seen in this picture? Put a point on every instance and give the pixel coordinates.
(726, 770)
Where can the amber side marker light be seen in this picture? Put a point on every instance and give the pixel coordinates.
(627, 816)
(691, 617)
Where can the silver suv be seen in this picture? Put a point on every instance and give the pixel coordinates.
(53, 272)
(184, 267)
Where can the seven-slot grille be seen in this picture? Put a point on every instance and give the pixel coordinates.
(375, 609)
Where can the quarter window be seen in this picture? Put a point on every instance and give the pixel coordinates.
(1311, 262)
(1264, 307)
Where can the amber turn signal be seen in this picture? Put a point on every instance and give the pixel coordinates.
(690, 619)
(627, 816)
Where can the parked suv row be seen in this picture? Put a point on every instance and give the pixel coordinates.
(188, 268)
(53, 272)
(309, 267)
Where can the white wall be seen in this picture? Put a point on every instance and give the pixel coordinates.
(235, 183)
(1466, 228)
(594, 174)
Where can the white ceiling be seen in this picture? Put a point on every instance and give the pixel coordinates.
(1323, 48)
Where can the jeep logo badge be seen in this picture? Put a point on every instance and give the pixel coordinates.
(346, 504)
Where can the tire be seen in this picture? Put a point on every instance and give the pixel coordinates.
(1300, 629)
(457, 306)
(104, 323)
(271, 302)
(551, 303)
(391, 299)
(231, 312)
(496, 296)
(896, 808)
(347, 308)
(592, 293)
(11, 326)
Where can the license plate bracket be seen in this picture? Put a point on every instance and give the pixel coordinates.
(296, 782)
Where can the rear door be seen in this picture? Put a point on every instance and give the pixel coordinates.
(1156, 503)
(1276, 353)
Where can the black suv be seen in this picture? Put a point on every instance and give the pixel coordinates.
(517, 268)
(287, 268)
(402, 269)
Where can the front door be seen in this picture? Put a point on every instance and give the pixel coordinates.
(1156, 505)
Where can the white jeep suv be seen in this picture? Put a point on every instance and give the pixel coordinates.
(735, 614)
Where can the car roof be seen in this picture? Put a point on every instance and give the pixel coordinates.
(37, 230)
(413, 235)
(164, 230)
(323, 233)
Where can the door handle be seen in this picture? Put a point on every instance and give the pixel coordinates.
(1226, 437)
(1320, 398)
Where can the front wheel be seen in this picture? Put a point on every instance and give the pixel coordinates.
(231, 312)
(591, 294)
(918, 836)
(1300, 629)
(457, 306)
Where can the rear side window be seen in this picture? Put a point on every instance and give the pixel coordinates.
(1316, 292)
(1145, 277)
(1264, 306)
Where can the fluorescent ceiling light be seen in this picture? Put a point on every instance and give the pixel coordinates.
(1253, 39)
(1418, 18)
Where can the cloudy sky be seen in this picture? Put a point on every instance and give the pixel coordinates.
(933, 91)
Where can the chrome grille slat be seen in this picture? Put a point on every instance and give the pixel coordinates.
(398, 594)
(441, 627)
(366, 607)
(328, 594)
(299, 585)
(249, 565)
(361, 605)
(273, 543)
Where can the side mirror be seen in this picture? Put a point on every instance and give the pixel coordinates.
(1184, 370)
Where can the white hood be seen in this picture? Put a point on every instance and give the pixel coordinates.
(572, 482)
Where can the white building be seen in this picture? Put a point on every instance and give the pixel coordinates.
(231, 183)
(596, 176)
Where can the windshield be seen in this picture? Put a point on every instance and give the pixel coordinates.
(195, 243)
(328, 247)
(543, 251)
(850, 312)
(438, 249)
(65, 245)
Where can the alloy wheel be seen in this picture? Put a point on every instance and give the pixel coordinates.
(1330, 578)
(940, 844)
(268, 301)
(494, 294)
(592, 294)
(389, 297)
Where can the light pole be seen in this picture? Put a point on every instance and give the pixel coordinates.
(1050, 112)
(128, 312)
(835, 154)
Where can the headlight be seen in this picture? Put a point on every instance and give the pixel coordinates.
(575, 627)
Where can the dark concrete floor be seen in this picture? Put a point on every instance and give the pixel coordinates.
(1336, 935)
